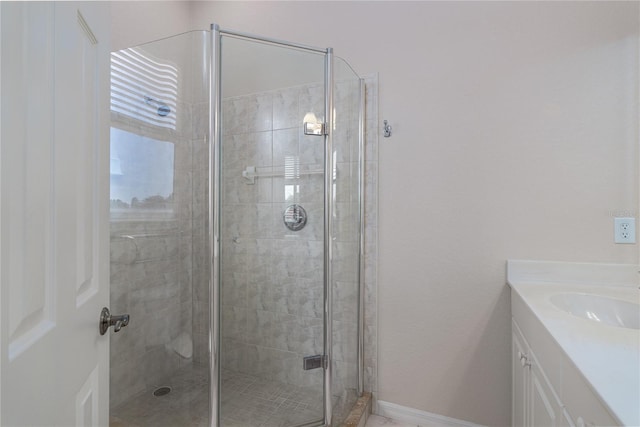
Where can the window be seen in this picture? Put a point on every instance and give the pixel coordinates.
(144, 88)
(141, 176)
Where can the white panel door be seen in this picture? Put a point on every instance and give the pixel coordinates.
(54, 260)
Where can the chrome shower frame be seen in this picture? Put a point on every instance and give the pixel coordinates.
(361, 270)
(215, 138)
(329, 173)
(214, 224)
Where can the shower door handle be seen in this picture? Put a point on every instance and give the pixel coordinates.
(107, 320)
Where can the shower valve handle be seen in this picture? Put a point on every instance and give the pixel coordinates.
(107, 320)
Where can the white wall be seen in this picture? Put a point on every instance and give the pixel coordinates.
(137, 22)
(515, 136)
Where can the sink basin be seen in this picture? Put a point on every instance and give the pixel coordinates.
(609, 311)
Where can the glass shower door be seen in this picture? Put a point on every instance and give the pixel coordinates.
(159, 370)
(277, 314)
(271, 235)
(345, 280)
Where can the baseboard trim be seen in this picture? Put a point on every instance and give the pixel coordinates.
(420, 418)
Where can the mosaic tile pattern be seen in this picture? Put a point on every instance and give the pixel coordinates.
(186, 405)
(247, 401)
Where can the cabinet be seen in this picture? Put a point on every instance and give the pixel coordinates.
(534, 401)
(547, 389)
(520, 379)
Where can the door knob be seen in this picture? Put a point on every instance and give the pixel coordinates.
(107, 320)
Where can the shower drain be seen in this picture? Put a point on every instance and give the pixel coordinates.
(161, 391)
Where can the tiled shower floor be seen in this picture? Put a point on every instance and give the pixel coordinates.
(247, 401)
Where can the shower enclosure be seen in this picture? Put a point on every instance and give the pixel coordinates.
(236, 173)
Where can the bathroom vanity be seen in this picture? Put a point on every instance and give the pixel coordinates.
(575, 344)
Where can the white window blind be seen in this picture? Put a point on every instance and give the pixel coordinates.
(144, 88)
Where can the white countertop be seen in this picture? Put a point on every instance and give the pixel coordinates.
(607, 356)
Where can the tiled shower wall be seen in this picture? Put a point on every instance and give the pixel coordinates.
(271, 284)
(201, 255)
(372, 131)
(271, 277)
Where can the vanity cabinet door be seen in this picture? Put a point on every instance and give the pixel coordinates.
(545, 408)
(581, 402)
(520, 378)
(534, 401)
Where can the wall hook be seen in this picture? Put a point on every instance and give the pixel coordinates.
(387, 129)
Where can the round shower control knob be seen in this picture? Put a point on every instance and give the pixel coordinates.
(295, 217)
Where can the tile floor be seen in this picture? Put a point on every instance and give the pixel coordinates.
(378, 421)
(186, 405)
(247, 401)
(250, 401)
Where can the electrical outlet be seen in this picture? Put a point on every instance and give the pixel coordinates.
(624, 230)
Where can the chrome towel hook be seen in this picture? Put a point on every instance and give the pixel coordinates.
(387, 129)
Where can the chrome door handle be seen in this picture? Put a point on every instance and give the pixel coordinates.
(107, 320)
